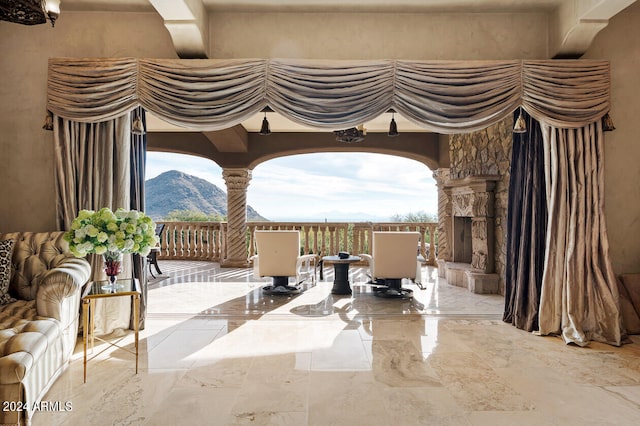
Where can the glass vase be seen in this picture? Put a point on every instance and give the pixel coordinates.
(112, 267)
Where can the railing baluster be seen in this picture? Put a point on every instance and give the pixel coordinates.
(306, 234)
(356, 240)
(197, 234)
(205, 230)
(252, 248)
(432, 246)
(172, 241)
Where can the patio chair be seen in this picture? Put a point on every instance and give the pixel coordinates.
(279, 257)
(394, 258)
(153, 254)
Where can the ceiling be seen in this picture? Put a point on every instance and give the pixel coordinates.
(407, 6)
(279, 123)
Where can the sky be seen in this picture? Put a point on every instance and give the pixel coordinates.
(331, 187)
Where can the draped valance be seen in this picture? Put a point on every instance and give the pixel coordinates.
(443, 96)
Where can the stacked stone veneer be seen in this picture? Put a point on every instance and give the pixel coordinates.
(488, 152)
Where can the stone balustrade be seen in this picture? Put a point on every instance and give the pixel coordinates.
(207, 240)
(193, 241)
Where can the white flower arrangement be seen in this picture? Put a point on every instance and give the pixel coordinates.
(107, 233)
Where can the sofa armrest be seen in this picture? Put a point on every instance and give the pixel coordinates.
(59, 291)
(306, 267)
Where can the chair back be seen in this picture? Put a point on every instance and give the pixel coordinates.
(395, 254)
(278, 252)
(159, 229)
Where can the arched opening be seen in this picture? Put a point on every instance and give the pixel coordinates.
(343, 186)
(353, 192)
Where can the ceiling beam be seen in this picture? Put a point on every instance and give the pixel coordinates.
(423, 147)
(233, 139)
(188, 24)
(576, 23)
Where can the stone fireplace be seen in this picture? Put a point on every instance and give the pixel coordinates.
(471, 262)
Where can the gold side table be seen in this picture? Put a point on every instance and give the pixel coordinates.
(97, 290)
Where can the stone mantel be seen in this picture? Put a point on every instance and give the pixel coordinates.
(480, 183)
(472, 196)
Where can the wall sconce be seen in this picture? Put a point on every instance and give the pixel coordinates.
(393, 127)
(520, 125)
(265, 129)
(52, 10)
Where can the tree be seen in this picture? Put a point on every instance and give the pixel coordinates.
(193, 216)
(420, 216)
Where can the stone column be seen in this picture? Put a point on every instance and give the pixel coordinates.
(441, 176)
(237, 181)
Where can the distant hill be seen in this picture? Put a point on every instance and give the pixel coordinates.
(174, 190)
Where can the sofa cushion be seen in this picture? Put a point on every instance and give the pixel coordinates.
(16, 311)
(24, 337)
(34, 254)
(22, 346)
(6, 251)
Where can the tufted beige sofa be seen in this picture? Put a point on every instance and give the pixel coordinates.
(38, 331)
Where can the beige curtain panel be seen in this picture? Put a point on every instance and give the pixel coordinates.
(93, 171)
(443, 96)
(579, 296)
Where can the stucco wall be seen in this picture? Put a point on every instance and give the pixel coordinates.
(619, 43)
(379, 35)
(26, 151)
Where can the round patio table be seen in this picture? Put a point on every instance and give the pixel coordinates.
(341, 273)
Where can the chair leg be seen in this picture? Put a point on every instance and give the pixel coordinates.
(150, 262)
(153, 261)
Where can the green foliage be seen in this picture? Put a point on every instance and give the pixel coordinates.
(420, 216)
(192, 216)
(107, 232)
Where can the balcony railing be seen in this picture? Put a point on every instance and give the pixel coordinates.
(206, 240)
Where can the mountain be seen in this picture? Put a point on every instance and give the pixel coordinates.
(174, 190)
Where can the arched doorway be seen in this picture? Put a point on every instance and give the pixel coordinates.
(343, 186)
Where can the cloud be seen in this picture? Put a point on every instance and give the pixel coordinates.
(324, 185)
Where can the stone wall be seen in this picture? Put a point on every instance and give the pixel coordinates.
(488, 152)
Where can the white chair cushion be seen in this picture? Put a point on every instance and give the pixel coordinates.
(395, 254)
(278, 253)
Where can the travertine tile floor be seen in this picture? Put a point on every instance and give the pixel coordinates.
(216, 352)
